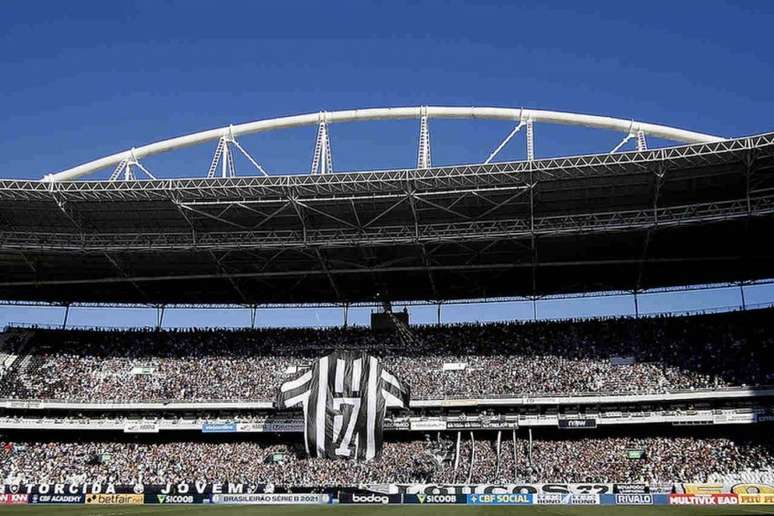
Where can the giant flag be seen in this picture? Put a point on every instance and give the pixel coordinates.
(344, 397)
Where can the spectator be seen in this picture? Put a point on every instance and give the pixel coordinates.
(593, 459)
(622, 356)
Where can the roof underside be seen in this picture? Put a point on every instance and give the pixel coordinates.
(684, 215)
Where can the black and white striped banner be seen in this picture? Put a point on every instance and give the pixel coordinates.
(344, 397)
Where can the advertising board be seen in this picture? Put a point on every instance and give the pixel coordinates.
(369, 498)
(176, 499)
(434, 499)
(549, 499)
(13, 499)
(270, 499)
(428, 425)
(626, 499)
(218, 428)
(703, 499)
(141, 428)
(581, 499)
(577, 424)
(114, 499)
(500, 499)
(632, 488)
(57, 499)
(756, 499)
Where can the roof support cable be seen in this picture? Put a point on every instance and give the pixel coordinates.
(124, 168)
(505, 141)
(144, 170)
(623, 142)
(228, 163)
(133, 161)
(224, 157)
(249, 158)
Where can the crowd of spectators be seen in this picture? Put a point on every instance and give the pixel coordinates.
(664, 459)
(594, 459)
(650, 355)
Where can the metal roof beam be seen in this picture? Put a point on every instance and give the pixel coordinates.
(323, 119)
(411, 302)
(210, 215)
(720, 152)
(232, 282)
(421, 246)
(394, 270)
(556, 225)
(123, 273)
(328, 274)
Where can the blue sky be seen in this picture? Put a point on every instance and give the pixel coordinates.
(85, 79)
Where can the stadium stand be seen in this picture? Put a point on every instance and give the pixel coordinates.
(653, 401)
(601, 458)
(625, 355)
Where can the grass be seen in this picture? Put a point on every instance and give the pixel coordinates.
(370, 510)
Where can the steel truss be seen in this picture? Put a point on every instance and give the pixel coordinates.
(452, 229)
(322, 161)
(703, 154)
(513, 229)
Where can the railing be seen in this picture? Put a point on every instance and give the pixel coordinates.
(450, 401)
(421, 423)
(15, 325)
(588, 394)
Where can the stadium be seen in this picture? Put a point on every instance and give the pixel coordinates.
(670, 409)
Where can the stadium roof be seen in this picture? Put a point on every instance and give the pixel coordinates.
(698, 213)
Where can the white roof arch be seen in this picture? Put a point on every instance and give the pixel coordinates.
(627, 127)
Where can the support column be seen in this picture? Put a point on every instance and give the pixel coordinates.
(160, 316)
(497, 467)
(513, 440)
(217, 158)
(224, 160)
(66, 316)
(749, 169)
(749, 162)
(346, 314)
(636, 305)
(642, 142)
(423, 148)
(253, 315)
(533, 237)
(472, 457)
(322, 161)
(438, 315)
(457, 453)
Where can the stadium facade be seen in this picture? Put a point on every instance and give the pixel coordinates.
(624, 221)
(700, 212)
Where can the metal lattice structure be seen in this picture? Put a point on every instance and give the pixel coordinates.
(621, 221)
(322, 160)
